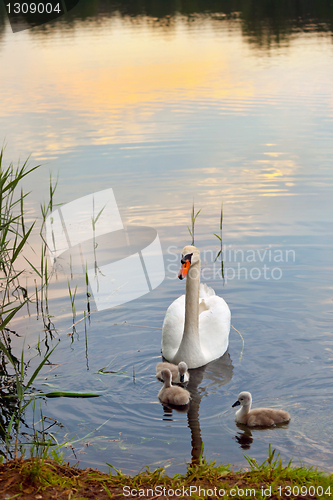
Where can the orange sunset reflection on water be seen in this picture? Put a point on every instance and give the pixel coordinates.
(132, 85)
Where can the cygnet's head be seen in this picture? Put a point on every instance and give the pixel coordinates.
(182, 368)
(190, 256)
(244, 399)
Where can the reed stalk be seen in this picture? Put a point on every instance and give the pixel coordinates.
(14, 236)
(193, 219)
(221, 243)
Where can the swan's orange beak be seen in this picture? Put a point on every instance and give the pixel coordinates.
(184, 269)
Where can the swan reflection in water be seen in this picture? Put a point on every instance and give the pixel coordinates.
(218, 373)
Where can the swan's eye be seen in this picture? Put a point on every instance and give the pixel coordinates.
(187, 257)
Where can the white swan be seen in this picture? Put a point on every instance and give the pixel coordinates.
(179, 372)
(196, 325)
(172, 394)
(258, 416)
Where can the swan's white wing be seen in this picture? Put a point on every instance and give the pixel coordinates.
(214, 325)
(173, 327)
(205, 291)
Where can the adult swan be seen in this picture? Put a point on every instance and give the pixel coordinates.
(196, 325)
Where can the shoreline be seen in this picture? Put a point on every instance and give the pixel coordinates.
(48, 479)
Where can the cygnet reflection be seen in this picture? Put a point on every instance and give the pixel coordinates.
(244, 439)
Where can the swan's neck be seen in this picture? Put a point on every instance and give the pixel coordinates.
(191, 327)
(190, 348)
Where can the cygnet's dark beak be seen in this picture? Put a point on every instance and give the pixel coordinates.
(236, 404)
(182, 378)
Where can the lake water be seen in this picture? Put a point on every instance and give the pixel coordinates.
(168, 109)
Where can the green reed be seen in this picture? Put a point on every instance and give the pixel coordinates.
(22, 391)
(94, 221)
(193, 219)
(72, 298)
(221, 243)
(14, 236)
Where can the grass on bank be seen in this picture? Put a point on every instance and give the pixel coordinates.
(48, 479)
